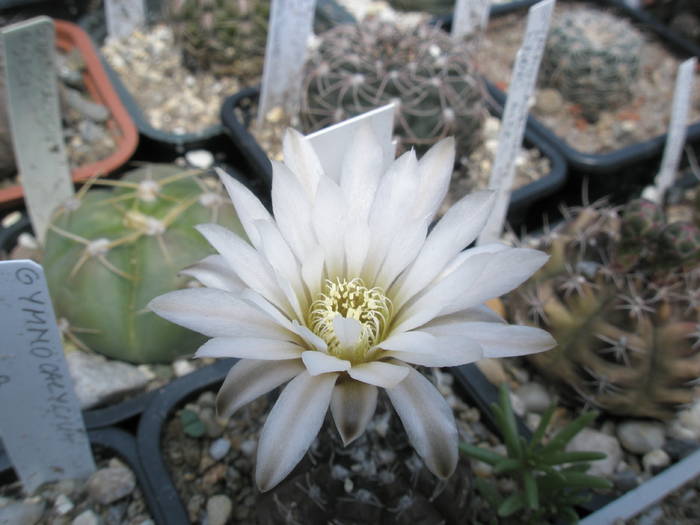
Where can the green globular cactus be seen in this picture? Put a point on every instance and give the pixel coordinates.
(357, 68)
(109, 252)
(226, 37)
(620, 294)
(592, 59)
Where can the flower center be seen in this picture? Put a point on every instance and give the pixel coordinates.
(352, 300)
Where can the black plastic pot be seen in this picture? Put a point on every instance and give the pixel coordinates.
(626, 170)
(469, 382)
(238, 112)
(119, 443)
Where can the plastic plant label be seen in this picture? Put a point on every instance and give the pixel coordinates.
(510, 138)
(330, 143)
(124, 16)
(470, 18)
(289, 30)
(42, 427)
(34, 116)
(677, 127)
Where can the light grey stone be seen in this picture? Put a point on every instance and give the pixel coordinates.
(63, 504)
(535, 397)
(219, 509)
(87, 517)
(182, 367)
(110, 484)
(219, 448)
(200, 158)
(85, 106)
(21, 513)
(641, 437)
(655, 460)
(592, 440)
(686, 425)
(98, 380)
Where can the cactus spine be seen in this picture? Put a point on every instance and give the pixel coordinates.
(356, 68)
(108, 253)
(592, 58)
(620, 294)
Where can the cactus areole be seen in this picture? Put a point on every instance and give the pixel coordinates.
(109, 252)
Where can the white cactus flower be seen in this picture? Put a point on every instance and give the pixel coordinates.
(343, 290)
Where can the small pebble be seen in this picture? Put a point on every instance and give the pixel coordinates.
(641, 437)
(249, 447)
(219, 509)
(535, 397)
(219, 448)
(200, 158)
(21, 512)
(182, 367)
(655, 460)
(592, 440)
(110, 484)
(63, 505)
(87, 517)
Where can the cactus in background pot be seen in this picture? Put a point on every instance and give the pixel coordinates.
(356, 68)
(435, 7)
(226, 37)
(108, 253)
(621, 295)
(592, 58)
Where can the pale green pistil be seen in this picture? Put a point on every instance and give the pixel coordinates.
(352, 300)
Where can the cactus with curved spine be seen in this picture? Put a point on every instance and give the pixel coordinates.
(620, 296)
(592, 58)
(108, 253)
(356, 68)
(226, 37)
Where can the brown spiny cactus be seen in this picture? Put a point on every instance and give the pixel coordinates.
(621, 295)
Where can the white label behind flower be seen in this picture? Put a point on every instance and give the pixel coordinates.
(124, 16)
(35, 119)
(677, 128)
(330, 143)
(289, 30)
(42, 427)
(510, 138)
(470, 17)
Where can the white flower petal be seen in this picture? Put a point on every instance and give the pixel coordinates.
(213, 272)
(216, 313)
(347, 331)
(246, 262)
(416, 342)
(435, 170)
(447, 350)
(406, 245)
(457, 228)
(250, 348)
(444, 325)
(302, 160)
(378, 373)
(291, 426)
(312, 271)
(471, 252)
(353, 405)
(248, 207)
(292, 209)
(362, 169)
(249, 379)
(328, 218)
(391, 210)
(477, 279)
(357, 239)
(428, 421)
(321, 363)
(497, 339)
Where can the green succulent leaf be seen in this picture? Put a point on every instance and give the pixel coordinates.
(508, 465)
(482, 454)
(562, 438)
(585, 481)
(531, 491)
(511, 504)
(559, 458)
(542, 427)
